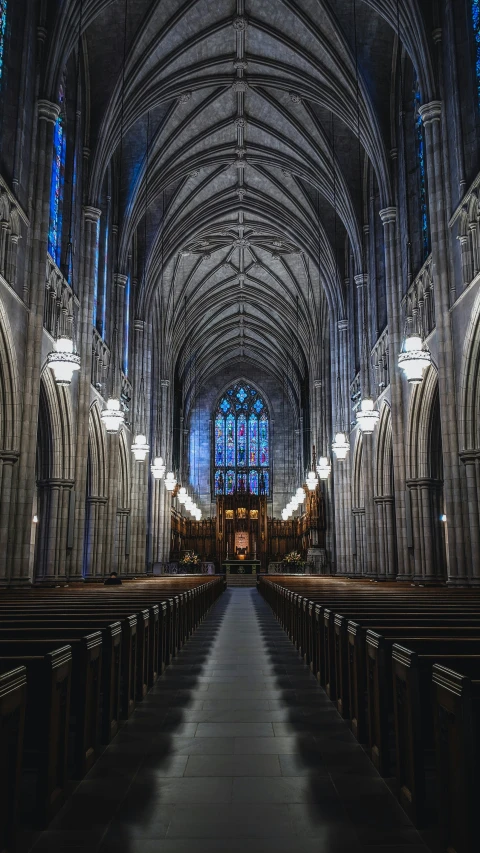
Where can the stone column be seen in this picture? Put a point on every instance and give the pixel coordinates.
(8, 460)
(471, 460)
(455, 493)
(21, 536)
(395, 332)
(91, 216)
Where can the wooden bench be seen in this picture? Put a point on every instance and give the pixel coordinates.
(13, 702)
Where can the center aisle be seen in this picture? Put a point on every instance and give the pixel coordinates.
(236, 749)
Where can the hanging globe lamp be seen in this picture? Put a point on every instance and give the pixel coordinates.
(63, 361)
(340, 446)
(368, 416)
(113, 416)
(158, 468)
(323, 468)
(414, 358)
(140, 448)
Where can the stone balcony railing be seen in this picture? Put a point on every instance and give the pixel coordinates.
(419, 301)
(380, 363)
(60, 302)
(100, 362)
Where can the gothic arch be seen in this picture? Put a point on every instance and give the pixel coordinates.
(124, 470)
(97, 470)
(9, 387)
(422, 402)
(383, 468)
(470, 384)
(358, 498)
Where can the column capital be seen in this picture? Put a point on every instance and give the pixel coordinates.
(120, 279)
(342, 325)
(164, 383)
(388, 215)
(317, 383)
(361, 279)
(139, 325)
(91, 214)
(48, 111)
(431, 112)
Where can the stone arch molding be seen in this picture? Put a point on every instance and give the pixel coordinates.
(470, 384)
(9, 388)
(418, 430)
(383, 468)
(59, 423)
(97, 453)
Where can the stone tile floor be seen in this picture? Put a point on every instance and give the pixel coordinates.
(236, 749)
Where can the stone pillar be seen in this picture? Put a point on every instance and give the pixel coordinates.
(471, 460)
(8, 460)
(139, 469)
(91, 216)
(455, 493)
(342, 468)
(21, 536)
(395, 333)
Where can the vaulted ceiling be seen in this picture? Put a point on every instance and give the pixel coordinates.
(236, 126)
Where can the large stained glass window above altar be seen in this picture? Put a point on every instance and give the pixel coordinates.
(241, 443)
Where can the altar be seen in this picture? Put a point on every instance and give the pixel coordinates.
(241, 567)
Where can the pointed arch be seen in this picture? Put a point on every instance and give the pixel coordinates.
(384, 455)
(470, 384)
(97, 469)
(9, 387)
(419, 427)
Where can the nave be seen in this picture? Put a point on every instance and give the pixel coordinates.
(235, 748)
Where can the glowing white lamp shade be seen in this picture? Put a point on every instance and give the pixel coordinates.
(340, 446)
(323, 468)
(112, 416)
(158, 468)
(300, 495)
(414, 359)
(62, 361)
(140, 448)
(170, 481)
(182, 495)
(312, 481)
(367, 417)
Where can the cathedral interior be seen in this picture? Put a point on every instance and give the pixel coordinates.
(240, 374)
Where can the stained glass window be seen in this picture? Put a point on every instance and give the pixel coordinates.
(230, 440)
(230, 483)
(253, 440)
(241, 442)
(420, 143)
(264, 454)
(57, 183)
(476, 32)
(219, 440)
(253, 482)
(3, 27)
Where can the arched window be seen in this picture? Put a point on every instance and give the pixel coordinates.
(57, 182)
(476, 34)
(422, 189)
(241, 443)
(3, 27)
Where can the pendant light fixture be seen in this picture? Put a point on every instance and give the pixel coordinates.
(323, 468)
(112, 415)
(64, 360)
(158, 468)
(140, 445)
(367, 417)
(170, 481)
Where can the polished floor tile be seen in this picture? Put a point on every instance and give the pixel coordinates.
(236, 748)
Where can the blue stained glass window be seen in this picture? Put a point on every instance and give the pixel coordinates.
(220, 440)
(242, 483)
(230, 483)
(230, 440)
(3, 27)
(263, 441)
(241, 441)
(476, 32)
(420, 143)
(252, 440)
(57, 184)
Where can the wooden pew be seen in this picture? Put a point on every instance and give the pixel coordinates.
(46, 726)
(456, 714)
(86, 655)
(13, 701)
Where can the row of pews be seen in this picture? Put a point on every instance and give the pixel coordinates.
(402, 665)
(74, 662)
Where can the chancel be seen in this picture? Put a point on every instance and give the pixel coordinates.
(239, 426)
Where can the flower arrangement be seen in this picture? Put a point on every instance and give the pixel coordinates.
(294, 558)
(190, 559)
